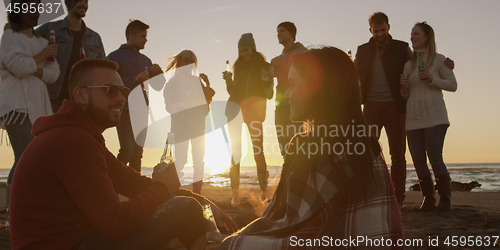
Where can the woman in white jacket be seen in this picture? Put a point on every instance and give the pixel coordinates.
(24, 72)
(187, 100)
(425, 77)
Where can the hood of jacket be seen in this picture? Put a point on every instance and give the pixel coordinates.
(69, 115)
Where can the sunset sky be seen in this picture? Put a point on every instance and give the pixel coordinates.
(466, 31)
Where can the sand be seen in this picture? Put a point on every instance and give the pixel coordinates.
(474, 215)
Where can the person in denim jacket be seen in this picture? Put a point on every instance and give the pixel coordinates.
(72, 36)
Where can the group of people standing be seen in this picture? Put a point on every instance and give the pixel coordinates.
(401, 90)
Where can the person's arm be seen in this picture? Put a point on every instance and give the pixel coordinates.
(14, 59)
(50, 72)
(405, 90)
(208, 92)
(90, 176)
(448, 63)
(228, 77)
(445, 80)
(157, 80)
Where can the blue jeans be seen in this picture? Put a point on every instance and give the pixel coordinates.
(428, 142)
(20, 136)
(178, 217)
(130, 152)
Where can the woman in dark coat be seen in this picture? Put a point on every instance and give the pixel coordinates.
(249, 91)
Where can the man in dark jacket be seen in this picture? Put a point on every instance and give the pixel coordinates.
(380, 63)
(64, 195)
(135, 69)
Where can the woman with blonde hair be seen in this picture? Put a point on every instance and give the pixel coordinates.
(422, 84)
(187, 100)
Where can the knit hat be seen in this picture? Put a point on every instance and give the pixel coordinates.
(247, 40)
(290, 27)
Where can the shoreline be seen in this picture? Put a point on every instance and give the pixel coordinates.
(474, 214)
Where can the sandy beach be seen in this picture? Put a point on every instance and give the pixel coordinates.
(474, 215)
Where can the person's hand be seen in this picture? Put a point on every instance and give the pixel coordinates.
(222, 219)
(167, 175)
(228, 76)
(141, 77)
(403, 80)
(448, 63)
(155, 68)
(50, 50)
(205, 79)
(424, 74)
(38, 73)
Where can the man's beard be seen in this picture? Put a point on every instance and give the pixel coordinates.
(100, 116)
(382, 40)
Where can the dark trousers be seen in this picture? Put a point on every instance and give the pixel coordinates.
(130, 152)
(428, 142)
(386, 114)
(178, 217)
(19, 136)
(285, 128)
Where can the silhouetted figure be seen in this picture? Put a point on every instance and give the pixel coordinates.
(424, 78)
(72, 35)
(187, 100)
(25, 73)
(248, 93)
(135, 69)
(333, 192)
(280, 65)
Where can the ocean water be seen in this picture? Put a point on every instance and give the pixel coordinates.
(488, 175)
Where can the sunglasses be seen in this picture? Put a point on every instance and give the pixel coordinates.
(112, 90)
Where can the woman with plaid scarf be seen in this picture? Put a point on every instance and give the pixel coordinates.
(335, 190)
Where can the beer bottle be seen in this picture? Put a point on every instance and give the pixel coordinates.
(228, 67)
(52, 40)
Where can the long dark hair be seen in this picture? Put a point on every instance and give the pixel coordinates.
(337, 102)
(256, 57)
(15, 18)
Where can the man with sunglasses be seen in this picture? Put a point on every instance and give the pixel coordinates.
(135, 69)
(64, 195)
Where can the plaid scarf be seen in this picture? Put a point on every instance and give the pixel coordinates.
(313, 207)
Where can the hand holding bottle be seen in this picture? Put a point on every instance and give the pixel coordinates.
(167, 175)
(227, 76)
(50, 51)
(141, 77)
(425, 74)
